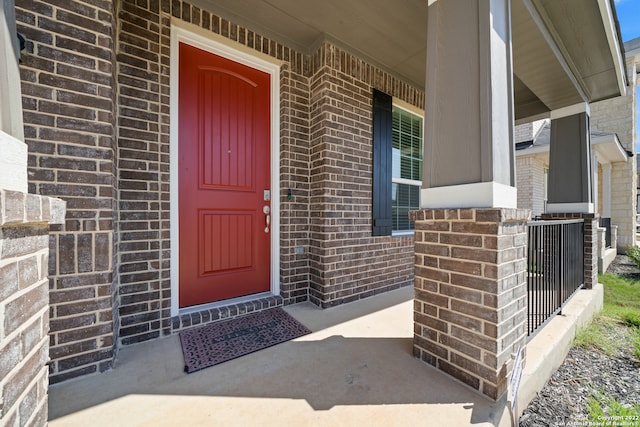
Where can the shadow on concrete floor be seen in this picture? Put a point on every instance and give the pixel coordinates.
(356, 367)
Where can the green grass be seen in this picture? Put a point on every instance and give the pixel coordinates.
(595, 335)
(621, 307)
(621, 298)
(635, 342)
(601, 407)
(634, 253)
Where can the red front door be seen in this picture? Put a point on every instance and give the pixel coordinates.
(224, 157)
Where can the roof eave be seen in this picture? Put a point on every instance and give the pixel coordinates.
(614, 39)
(609, 147)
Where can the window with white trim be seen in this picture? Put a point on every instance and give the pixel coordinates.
(407, 155)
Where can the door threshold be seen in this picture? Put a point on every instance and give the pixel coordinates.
(222, 310)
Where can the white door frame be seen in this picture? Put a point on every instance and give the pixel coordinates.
(194, 36)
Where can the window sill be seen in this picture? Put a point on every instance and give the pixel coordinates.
(403, 233)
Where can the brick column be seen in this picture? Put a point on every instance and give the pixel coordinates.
(591, 224)
(471, 292)
(24, 305)
(68, 97)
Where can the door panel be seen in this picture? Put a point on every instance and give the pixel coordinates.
(227, 124)
(224, 168)
(222, 239)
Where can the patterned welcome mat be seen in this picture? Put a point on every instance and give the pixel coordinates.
(218, 342)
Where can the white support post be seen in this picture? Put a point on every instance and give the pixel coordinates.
(470, 162)
(606, 190)
(13, 151)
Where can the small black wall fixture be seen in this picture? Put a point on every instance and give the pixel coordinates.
(22, 43)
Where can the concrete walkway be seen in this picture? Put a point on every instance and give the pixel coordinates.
(355, 369)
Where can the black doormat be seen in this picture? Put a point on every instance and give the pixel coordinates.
(218, 342)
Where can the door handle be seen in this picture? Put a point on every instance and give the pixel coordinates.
(267, 212)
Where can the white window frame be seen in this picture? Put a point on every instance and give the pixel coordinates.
(418, 183)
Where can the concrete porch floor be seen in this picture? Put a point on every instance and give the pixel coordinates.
(355, 368)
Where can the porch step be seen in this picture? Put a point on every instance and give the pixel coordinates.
(224, 311)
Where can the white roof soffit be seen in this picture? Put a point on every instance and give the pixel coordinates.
(563, 58)
(632, 50)
(611, 30)
(534, 149)
(565, 54)
(608, 148)
(606, 144)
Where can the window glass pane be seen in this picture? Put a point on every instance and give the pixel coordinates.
(416, 170)
(407, 164)
(405, 198)
(395, 172)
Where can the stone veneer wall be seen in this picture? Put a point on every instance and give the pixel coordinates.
(523, 132)
(530, 182)
(97, 108)
(24, 305)
(618, 115)
(470, 305)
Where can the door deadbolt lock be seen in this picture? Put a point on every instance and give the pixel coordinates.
(267, 212)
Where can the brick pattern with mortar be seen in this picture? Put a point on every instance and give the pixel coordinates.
(68, 100)
(471, 293)
(143, 171)
(24, 305)
(530, 182)
(523, 132)
(96, 87)
(346, 262)
(294, 179)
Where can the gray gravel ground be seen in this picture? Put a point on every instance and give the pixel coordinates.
(564, 399)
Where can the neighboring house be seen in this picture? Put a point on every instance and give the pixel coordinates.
(638, 193)
(619, 116)
(223, 157)
(613, 137)
(532, 162)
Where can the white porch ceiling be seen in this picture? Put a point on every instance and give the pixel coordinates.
(391, 34)
(563, 50)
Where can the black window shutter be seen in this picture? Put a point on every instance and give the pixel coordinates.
(382, 158)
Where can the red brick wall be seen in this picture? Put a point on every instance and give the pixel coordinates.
(294, 177)
(143, 171)
(68, 93)
(346, 262)
(470, 305)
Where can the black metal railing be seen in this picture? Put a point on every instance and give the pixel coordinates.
(555, 267)
(606, 223)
